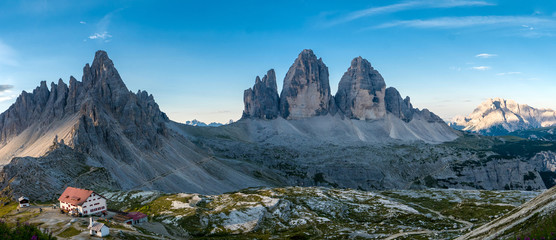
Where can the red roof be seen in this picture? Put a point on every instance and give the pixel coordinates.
(136, 215)
(75, 196)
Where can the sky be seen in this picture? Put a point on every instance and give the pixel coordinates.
(197, 57)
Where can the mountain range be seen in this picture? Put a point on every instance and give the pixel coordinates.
(198, 123)
(497, 116)
(97, 134)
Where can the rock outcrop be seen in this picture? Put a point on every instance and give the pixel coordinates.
(497, 116)
(306, 91)
(361, 91)
(262, 100)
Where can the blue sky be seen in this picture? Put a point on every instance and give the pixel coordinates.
(197, 57)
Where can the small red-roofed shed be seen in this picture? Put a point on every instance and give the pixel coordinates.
(137, 217)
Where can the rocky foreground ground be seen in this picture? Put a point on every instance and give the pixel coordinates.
(291, 213)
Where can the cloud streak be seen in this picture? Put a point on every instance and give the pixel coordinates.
(481, 68)
(405, 6)
(485, 55)
(470, 21)
(508, 73)
(6, 98)
(103, 36)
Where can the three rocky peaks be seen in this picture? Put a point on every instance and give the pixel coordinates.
(362, 94)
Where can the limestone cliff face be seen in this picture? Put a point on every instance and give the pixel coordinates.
(262, 100)
(361, 91)
(362, 94)
(306, 91)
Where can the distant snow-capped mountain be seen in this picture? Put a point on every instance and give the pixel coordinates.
(497, 116)
(198, 123)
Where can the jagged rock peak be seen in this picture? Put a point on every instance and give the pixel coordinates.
(101, 91)
(361, 91)
(262, 100)
(306, 91)
(102, 72)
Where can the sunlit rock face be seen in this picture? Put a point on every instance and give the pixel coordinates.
(306, 91)
(361, 91)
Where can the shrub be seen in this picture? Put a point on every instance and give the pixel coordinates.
(22, 231)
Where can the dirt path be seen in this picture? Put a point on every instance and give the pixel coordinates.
(405, 234)
(467, 224)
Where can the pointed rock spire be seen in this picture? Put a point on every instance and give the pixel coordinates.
(262, 100)
(306, 90)
(361, 91)
(103, 80)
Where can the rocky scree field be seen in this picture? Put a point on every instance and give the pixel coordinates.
(321, 213)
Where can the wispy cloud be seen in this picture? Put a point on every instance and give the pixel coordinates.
(103, 35)
(485, 55)
(6, 93)
(470, 21)
(82, 22)
(528, 27)
(508, 73)
(6, 98)
(5, 87)
(102, 27)
(404, 6)
(481, 68)
(7, 55)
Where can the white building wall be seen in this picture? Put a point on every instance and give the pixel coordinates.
(104, 231)
(94, 204)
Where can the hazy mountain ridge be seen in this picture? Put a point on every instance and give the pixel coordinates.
(497, 116)
(198, 123)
